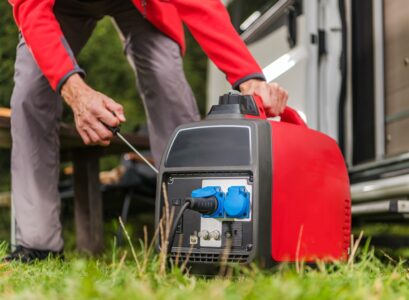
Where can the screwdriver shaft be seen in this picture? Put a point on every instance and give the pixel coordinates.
(137, 152)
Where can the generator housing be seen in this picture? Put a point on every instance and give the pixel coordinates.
(258, 190)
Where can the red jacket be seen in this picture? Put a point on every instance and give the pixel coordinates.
(208, 20)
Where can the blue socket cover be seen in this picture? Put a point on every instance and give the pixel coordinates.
(237, 202)
(211, 191)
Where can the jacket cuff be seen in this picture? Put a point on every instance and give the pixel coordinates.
(67, 75)
(259, 76)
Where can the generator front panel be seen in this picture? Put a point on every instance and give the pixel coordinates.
(208, 238)
(233, 157)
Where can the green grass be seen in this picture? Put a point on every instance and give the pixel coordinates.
(117, 276)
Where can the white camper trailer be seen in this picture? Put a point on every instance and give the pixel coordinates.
(345, 64)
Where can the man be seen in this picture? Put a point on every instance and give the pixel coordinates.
(53, 33)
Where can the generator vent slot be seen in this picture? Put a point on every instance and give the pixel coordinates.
(212, 173)
(209, 257)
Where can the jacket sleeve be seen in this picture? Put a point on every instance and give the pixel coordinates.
(209, 22)
(43, 36)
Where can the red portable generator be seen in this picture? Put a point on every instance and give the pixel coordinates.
(244, 188)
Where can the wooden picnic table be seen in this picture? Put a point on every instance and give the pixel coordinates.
(87, 195)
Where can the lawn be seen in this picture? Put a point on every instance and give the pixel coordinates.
(120, 275)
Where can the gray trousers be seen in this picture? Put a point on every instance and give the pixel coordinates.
(37, 109)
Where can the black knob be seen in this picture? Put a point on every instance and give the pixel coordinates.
(232, 103)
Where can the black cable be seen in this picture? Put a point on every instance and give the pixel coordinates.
(202, 205)
(172, 233)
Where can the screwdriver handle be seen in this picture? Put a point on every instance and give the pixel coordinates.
(114, 130)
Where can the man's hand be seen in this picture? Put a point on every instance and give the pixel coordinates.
(91, 111)
(274, 97)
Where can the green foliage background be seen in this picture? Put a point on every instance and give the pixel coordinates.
(107, 71)
(8, 43)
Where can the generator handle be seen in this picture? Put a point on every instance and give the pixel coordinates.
(290, 115)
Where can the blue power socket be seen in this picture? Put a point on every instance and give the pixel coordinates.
(234, 204)
(237, 203)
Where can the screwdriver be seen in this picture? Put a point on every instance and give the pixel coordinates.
(116, 131)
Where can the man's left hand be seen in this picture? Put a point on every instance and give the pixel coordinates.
(274, 97)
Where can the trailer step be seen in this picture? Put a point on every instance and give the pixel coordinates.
(389, 207)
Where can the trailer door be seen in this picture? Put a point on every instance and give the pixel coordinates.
(396, 26)
(299, 45)
(279, 38)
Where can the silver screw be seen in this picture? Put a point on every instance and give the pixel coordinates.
(204, 234)
(215, 234)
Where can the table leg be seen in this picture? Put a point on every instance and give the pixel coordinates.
(88, 201)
